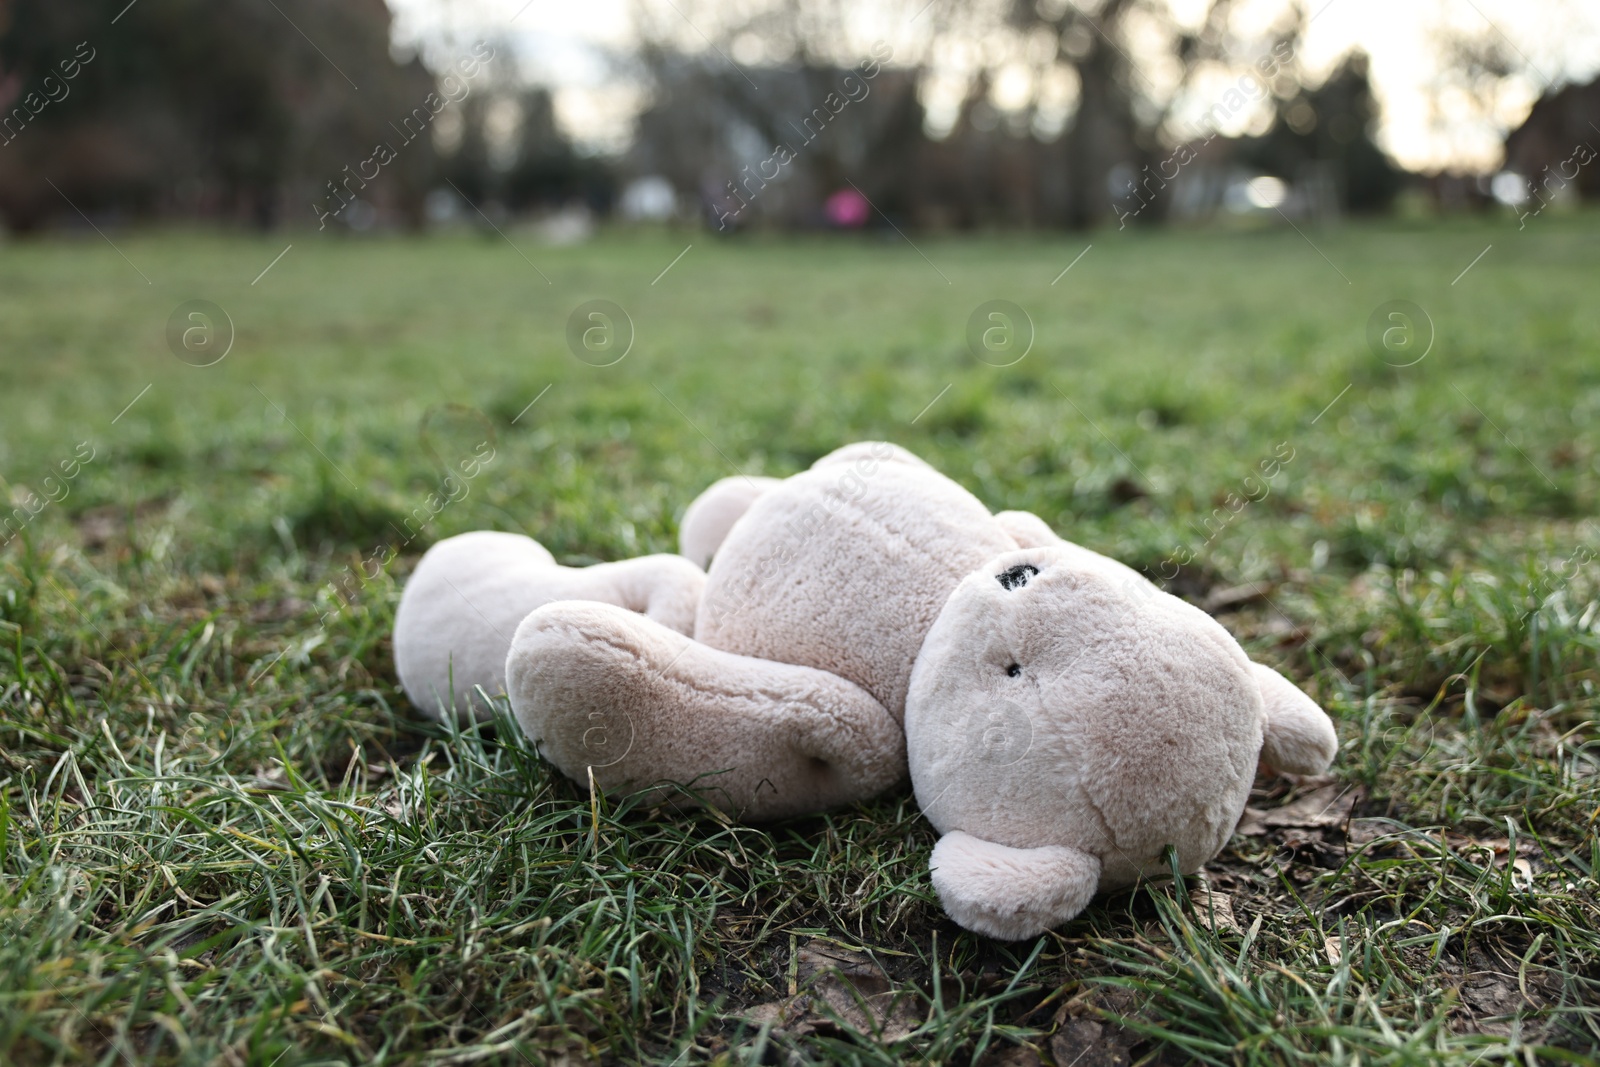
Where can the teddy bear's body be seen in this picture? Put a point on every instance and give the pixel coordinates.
(1062, 720)
(846, 566)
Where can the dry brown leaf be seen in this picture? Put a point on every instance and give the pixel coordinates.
(840, 983)
(791, 1016)
(1492, 995)
(1013, 1056)
(1251, 823)
(1083, 1043)
(819, 957)
(887, 1016)
(1328, 806)
(1323, 807)
(1214, 908)
(1366, 831)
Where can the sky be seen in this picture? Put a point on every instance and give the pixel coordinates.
(1425, 125)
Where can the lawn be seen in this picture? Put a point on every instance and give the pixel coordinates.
(225, 836)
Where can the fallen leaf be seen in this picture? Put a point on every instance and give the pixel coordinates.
(819, 957)
(1252, 823)
(1326, 806)
(1083, 1043)
(1014, 1056)
(1333, 947)
(1297, 839)
(1214, 908)
(791, 1016)
(1491, 995)
(887, 1016)
(1366, 831)
(840, 983)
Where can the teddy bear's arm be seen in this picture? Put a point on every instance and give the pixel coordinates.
(1297, 736)
(1011, 893)
(712, 514)
(605, 690)
(468, 593)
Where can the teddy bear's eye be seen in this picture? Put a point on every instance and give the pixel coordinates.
(1016, 577)
(1014, 670)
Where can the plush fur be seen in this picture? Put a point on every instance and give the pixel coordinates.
(709, 519)
(469, 593)
(1062, 720)
(604, 689)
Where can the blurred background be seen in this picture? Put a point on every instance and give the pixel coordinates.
(737, 115)
(1288, 304)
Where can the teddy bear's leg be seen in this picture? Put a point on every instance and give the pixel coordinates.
(712, 514)
(865, 455)
(1027, 529)
(468, 593)
(601, 689)
(1298, 736)
(1011, 893)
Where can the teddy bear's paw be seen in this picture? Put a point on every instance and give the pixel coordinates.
(606, 691)
(1297, 736)
(1011, 893)
(457, 615)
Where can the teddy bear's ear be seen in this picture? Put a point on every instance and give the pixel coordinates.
(1298, 736)
(1011, 893)
(712, 514)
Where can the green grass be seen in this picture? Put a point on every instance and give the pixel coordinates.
(226, 837)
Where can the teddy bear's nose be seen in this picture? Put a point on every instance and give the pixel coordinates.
(1016, 577)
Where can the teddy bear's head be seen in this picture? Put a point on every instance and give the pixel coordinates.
(1061, 700)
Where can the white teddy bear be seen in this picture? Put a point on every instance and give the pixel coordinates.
(1063, 720)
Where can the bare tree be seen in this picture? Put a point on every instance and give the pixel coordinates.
(1133, 64)
(781, 103)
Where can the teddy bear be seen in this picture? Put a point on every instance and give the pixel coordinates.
(1062, 720)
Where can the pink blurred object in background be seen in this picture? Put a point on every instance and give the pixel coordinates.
(848, 209)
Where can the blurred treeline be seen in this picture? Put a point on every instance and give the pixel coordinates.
(1114, 157)
(197, 108)
(245, 111)
(301, 112)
